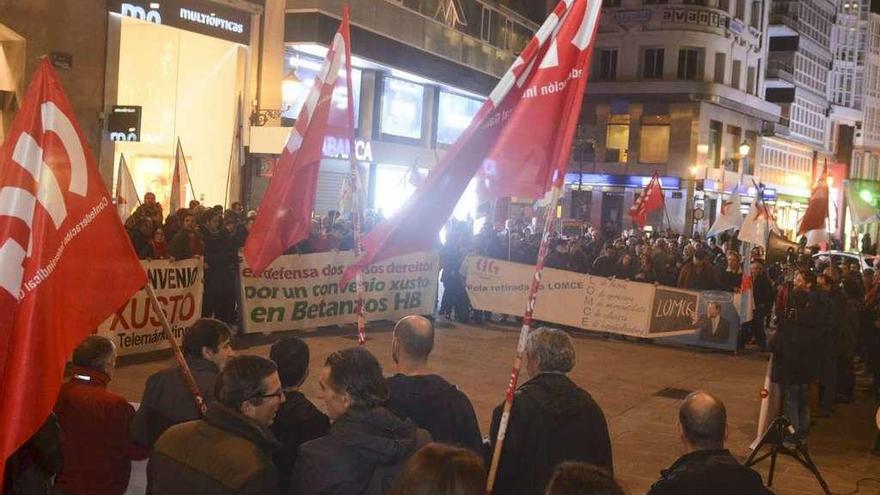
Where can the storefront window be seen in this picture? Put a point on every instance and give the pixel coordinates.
(454, 116)
(301, 73)
(402, 108)
(617, 139)
(654, 139)
(188, 86)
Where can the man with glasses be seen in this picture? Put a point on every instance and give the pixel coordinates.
(230, 450)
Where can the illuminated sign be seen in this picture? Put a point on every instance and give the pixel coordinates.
(337, 147)
(199, 16)
(610, 180)
(124, 123)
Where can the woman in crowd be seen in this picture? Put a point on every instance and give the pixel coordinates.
(438, 469)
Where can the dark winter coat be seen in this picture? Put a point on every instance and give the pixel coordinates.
(362, 454)
(30, 469)
(226, 453)
(604, 266)
(297, 422)
(94, 425)
(729, 281)
(797, 344)
(762, 293)
(552, 420)
(167, 400)
(437, 406)
(706, 472)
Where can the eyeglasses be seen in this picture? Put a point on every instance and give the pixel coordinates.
(278, 395)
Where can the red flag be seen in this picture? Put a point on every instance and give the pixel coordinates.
(521, 137)
(66, 263)
(650, 200)
(817, 208)
(285, 216)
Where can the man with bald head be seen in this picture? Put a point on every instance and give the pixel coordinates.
(426, 398)
(706, 467)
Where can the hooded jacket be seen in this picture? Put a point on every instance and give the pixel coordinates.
(552, 420)
(437, 406)
(297, 422)
(362, 454)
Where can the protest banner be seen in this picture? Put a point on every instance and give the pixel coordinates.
(572, 299)
(674, 310)
(179, 285)
(717, 322)
(303, 291)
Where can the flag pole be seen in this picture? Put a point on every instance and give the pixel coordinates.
(178, 354)
(357, 207)
(188, 176)
(523, 334)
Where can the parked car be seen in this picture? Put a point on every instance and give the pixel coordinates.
(837, 257)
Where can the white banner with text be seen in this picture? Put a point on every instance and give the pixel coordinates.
(179, 285)
(302, 291)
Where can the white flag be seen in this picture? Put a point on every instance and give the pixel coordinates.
(127, 198)
(756, 226)
(730, 218)
(179, 181)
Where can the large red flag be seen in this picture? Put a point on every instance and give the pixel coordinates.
(520, 139)
(817, 208)
(66, 263)
(651, 199)
(285, 216)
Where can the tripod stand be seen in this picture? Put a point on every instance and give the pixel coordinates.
(776, 433)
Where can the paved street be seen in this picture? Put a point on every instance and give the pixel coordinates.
(623, 377)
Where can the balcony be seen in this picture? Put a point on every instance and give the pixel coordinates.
(779, 128)
(780, 69)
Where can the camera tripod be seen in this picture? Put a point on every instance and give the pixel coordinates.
(776, 433)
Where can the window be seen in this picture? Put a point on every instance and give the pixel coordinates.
(298, 83)
(732, 140)
(740, 9)
(652, 63)
(402, 108)
(735, 74)
(654, 139)
(720, 67)
(750, 81)
(606, 64)
(756, 15)
(454, 115)
(714, 157)
(688, 64)
(724, 5)
(617, 139)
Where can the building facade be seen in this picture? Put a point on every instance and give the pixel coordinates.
(422, 70)
(676, 89)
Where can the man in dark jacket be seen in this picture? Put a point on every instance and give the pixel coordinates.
(803, 319)
(707, 467)
(94, 425)
(367, 444)
(430, 401)
(552, 420)
(167, 400)
(762, 295)
(187, 242)
(298, 420)
(229, 452)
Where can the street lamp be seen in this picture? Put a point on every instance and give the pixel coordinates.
(744, 149)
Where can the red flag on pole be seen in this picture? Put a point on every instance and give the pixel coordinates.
(66, 263)
(285, 216)
(651, 199)
(520, 139)
(817, 208)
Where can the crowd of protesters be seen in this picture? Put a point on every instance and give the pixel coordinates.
(411, 433)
